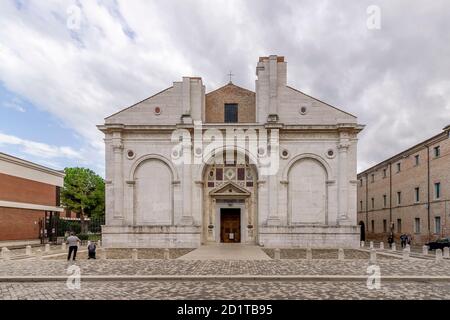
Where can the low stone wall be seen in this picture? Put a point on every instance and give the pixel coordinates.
(146, 253)
(322, 254)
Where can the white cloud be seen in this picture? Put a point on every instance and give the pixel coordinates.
(39, 149)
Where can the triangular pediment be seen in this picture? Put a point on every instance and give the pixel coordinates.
(230, 189)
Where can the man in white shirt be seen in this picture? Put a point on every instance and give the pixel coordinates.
(73, 245)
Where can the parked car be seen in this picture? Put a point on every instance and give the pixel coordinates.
(439, 244)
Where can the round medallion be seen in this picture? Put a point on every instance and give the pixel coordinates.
(130, 154)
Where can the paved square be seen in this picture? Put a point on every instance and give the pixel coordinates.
(291, 277)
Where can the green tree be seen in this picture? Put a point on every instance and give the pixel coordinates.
(83, 193)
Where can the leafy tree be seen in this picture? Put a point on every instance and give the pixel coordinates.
(83, 193)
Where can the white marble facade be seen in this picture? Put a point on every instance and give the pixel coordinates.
(166, 187)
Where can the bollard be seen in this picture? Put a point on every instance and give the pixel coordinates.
(438, 254)
(381, 245)
(446, 252)
(166, 254)
(405, 254)
(408, 247)
(99, 243)
(6, 254)
(362, 244)
(47, 248)
(394, 246)
(63, 246)
(425, 250)
(371, 244)
(373, 256)
(277, 254)
(39, 254)
(134, 254)
(308, 254)
(341, 255)
(28, 251)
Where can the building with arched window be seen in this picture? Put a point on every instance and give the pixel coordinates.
(274, 167)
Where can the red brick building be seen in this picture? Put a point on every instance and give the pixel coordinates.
(28, 193)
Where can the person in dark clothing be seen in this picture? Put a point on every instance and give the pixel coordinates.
(403, 240)
(91, 250)
(390, 240)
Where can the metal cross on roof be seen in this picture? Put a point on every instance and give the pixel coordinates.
(230, 75)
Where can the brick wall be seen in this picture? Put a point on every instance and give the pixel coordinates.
(22, 190)
(373, 183)
(215, 101)
(19, 224)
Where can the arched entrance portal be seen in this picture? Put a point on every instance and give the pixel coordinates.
(363, 231)
(230, 202)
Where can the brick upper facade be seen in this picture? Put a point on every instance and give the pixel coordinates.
(230, 93)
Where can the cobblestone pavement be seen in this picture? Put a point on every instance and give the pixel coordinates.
(227, 290)
(224, 267)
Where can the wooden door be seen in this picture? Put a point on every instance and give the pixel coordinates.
(230, 225)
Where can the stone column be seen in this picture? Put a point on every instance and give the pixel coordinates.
(343, 181)
(129, 202)
(272, 179)
(118, 174)
(186, 186)
(212, 219)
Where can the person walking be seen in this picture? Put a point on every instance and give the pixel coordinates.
(403, 240)
(72, 241)
(91, 250)
(408, 239)
(390, 240)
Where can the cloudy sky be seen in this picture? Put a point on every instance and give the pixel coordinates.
(66, 65)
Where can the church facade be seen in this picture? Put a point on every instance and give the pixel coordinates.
(274, 167)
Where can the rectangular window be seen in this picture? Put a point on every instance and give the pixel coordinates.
(399, 167)
(360, 182)
(231, 113)
(241, 173)
(437, 225)
(417, 225)
(361, 205)
(219, 174)
(416, 159)
(373, 203)
(373, 226)
(399, 225)
(384, 225)
(399, 198)
(384, 173)
(384, 200)
(437, 190)
(416, 194)
(373, 178)
(437, 151)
